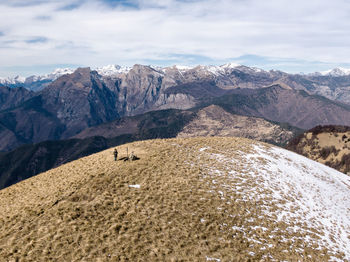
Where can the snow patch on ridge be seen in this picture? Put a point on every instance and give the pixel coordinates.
(135, 186)
(320, 194)
(310, 198)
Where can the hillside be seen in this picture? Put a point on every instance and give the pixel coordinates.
(86, 98)
(279, 104)
(210, 120)
(329, 145)
(218, 199)
(215, 121)
(29, 160)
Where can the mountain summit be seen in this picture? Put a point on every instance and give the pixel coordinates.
(219, 199)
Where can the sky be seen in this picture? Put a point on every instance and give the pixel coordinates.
(37, 36)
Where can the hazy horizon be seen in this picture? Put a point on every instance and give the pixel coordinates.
(37, 36)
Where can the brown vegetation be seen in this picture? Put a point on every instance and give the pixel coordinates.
(325, 144)
(92, 210)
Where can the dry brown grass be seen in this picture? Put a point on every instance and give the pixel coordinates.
(215, 121)
(330, 148)
(86, 211)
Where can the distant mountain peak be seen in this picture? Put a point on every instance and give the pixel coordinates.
(338, 71)
(230, 65)
(12, 80)
(110, 70)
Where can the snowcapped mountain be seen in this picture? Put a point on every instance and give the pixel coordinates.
(21, 80)
(12, 80)
(206, 69)
(55, 74)
(111, 70)
(115, 70)
(339, 71)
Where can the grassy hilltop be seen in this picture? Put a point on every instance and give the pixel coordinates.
(197, 199)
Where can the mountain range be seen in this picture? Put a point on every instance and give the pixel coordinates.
(29, 160)
(120, 104)
(86, 98)
(202, 195)
(333, 84)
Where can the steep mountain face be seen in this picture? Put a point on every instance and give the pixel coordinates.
(87, 98)
(80, 100)
(221, 199)
(28, 123)
(333, 84)
(329, 145)
(285, 106)
(12, 97)
(336, 88)
(66, 107)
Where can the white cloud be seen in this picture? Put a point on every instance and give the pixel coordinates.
(93, 33)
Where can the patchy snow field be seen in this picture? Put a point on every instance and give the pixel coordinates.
(310, 198)
(197, 199)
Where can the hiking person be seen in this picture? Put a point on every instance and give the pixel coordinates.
(132, 156)
(115, 153)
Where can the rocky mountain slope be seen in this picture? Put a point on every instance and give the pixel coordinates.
(279, 104)
(215, 121)
(333, 84)
(210, 120)
(86, 98)
(12, 97)
(207, 199)
(329, 145)
(29, 160)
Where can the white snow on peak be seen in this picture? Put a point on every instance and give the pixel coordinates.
(216, 70)
(183, 68)
(339, 71)
(51, 77)
(57, 73)
(12, 80)
(230, 65)
(211, 69)
(111, 70)
(258, 70)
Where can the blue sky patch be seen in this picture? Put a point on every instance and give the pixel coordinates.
(37, 40)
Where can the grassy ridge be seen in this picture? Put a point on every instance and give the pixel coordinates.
(87, 211)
